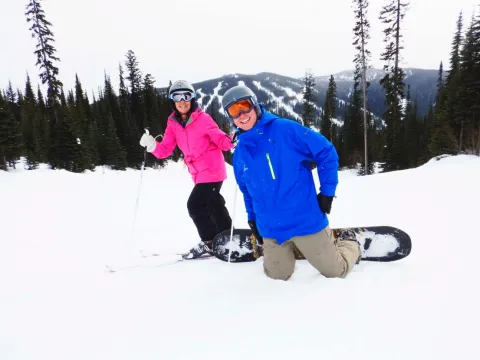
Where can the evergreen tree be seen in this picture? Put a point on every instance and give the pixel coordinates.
(393, 83)
(134, 76)
(30, 121)
(129, 133)
(329, 109)
(467, 109)
(475, 88)
(152, 110)
(443, 139)
(426, 129)
(64, 147)
(45, 51)
(440, 83)
(373, 146)
(110, 149)
(44, 128)
(46, 59)
(410, 134)
(86, 125)
(309, 113)
(214, 111)
(353, 135)
(361, 32)
(10, 137)
(455, 52)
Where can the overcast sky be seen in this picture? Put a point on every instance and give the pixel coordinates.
(198, 40)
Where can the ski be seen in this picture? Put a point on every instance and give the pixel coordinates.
(174, 259)
(146, 254)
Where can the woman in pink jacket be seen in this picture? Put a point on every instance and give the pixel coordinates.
(201, 141)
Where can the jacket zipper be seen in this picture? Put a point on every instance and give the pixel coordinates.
(271, 167)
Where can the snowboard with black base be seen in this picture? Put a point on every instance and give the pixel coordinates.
(377, 243)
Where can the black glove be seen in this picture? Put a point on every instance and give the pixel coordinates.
(253, 226)
(234, 137)
(325, 203)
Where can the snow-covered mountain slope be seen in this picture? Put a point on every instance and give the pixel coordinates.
(283, 94)
(57, 302)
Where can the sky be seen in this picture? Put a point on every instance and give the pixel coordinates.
(200, 40)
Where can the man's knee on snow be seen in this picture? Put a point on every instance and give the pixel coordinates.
(278, 260)
(279, 272)
(334, 272)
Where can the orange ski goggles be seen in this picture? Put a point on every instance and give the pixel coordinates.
(238, 108)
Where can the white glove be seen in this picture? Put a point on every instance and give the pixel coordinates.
(149, 142)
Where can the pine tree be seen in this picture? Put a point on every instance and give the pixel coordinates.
(111, 154)
(134, 76)
(455, 52)
(443, 128)
(329, 109)
(440, 83)
(353, 135)
(129, 133)
(309, 113)
(361, 32)
(30, 121)
(86, 124)
(110, 150)
(152, 110)
(467, 109)
(10, 137)
(46, 59)
(475, 88)
(393, 82)
(214, 111)
(44, 128)
(410, 134)
(45, 51)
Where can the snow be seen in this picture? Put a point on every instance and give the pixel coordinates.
(58, 301)
(278, 100)
(387, 244)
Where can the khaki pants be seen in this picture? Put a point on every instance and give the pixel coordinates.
(330, 258)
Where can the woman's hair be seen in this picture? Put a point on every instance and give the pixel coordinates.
(193, 107)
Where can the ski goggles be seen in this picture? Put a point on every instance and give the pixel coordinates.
(240, 107)
(179, 96)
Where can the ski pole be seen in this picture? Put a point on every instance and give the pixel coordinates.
(233, 220)
(139, 188)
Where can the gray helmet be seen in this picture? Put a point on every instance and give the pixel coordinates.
(181, 85)
(237, 93)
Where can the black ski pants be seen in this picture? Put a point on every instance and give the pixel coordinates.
(206, 207)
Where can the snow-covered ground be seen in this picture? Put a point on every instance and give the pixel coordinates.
(57, 301)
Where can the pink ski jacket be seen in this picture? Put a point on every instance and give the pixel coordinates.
(201, 142)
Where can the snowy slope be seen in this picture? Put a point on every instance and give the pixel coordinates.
(57, 302)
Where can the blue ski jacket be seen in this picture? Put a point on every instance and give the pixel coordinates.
(272, 168)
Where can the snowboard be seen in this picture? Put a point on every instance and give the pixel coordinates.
(377, 243)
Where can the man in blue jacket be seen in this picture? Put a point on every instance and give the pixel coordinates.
(272, 168)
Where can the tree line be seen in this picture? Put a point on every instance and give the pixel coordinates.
(70, 130)
(404, 139)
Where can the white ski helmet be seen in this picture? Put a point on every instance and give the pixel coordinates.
(181, 85)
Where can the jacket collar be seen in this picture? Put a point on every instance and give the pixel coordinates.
(193, 116)
(250, 137)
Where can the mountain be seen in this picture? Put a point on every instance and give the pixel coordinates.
(423, 87)
(283, 94)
